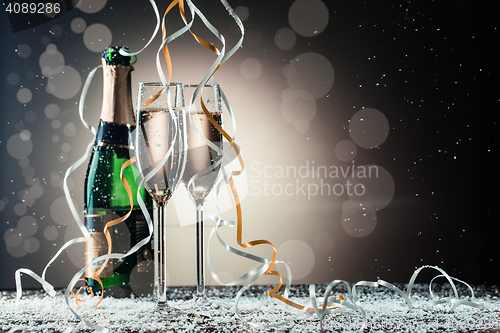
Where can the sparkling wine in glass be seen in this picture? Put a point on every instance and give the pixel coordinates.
(160, 140)
(203, 162)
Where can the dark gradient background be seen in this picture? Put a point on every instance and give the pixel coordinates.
(429, 68)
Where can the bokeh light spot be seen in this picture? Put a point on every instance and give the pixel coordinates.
(285, 39)
(97, 37)
(31, 245)
(12, 79)
(13, 237)
(301, 125)
(297, 105)
(17, 251)
(358, 220)
(299, 255)
(66, 147)
(51, 233)
(23, 50)
(20, 209)
(19, 148)
(311, 72)
(25, 135)
(56, 30)
(65, 84)
(345, 150)
(369, 128)
(36, 191)
(323, 243)
(59, 211)
(377, 187)
(251, 68)
(242, 12)
(51, 61)
(91, 6)
(52, 111)
(24, 95)
(308, 17)
(78, 25)
(142, 278)
(30, 116)
(69, 129)
(27, 225)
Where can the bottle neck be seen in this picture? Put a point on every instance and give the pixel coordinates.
(117, 95)
(110, 134)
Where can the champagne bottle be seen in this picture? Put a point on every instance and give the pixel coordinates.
(106, 198)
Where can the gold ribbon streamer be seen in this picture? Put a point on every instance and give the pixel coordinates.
(112, 223)
(239, 226)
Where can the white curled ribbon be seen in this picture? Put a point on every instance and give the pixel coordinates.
(352, 299)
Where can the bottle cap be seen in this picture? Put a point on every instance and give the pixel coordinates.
(112, 56)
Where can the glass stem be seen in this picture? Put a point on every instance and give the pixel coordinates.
(160, 252)
(200, 266)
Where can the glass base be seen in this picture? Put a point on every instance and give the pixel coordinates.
(166, 310)
(202, 300)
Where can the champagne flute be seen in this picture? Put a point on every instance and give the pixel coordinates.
(203, 163)
(161, 151)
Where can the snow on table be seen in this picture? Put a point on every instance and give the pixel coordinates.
(386, 312)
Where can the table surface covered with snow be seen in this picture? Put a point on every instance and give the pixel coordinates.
(386, 312)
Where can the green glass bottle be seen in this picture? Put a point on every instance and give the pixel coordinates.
(106, 198)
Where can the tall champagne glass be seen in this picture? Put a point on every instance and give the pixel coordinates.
(203, 162)
(160, 140)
